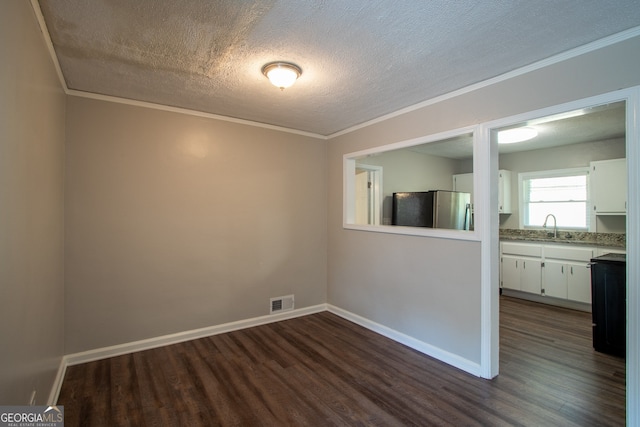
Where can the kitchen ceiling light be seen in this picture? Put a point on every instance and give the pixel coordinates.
(511, 136)
(281, 74)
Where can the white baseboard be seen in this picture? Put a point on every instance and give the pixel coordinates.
(428, 349)
(147, 344)
(57, 382)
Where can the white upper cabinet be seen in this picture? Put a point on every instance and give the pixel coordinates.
(464, 182)
(609, 187)
(504, 191)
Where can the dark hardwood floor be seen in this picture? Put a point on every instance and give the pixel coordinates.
(323, 370)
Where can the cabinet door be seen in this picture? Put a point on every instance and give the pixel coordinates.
(555, 279)
(579, 282)
(510, 272)
(504, 191)
(609, 186)
(609, 308)
(530, 276)
(464, 182)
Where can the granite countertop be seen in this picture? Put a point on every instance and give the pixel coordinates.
(610, 240)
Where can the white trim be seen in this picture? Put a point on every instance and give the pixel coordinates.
(47, 39)
(430, 350)
(581, 50)
(57, 382)
(485, 167)
(436, 233)
(376, 199)
(633, 255)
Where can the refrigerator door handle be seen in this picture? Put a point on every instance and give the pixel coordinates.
(468, 217)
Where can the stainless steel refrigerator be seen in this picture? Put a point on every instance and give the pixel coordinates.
(434, 209)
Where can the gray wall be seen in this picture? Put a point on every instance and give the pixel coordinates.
(416, 285)
(176, 222)
(31, 209)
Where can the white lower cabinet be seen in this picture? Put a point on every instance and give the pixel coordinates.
(551, 270)
(579, 282)
(522, 274)
(520, 267)
(566, 274)
(555, 279)
(567, 280)
(531, 276)
(510, 277)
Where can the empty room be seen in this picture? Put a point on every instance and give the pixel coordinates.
(310, 213)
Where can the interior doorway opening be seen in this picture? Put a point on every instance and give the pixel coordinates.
(629, 98)
(368, 192)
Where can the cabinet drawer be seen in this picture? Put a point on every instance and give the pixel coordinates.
(568, 253)
(522, 249)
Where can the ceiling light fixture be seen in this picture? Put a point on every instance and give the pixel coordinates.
(511, 136)
(282, 74)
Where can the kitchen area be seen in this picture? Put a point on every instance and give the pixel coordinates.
(564, 244)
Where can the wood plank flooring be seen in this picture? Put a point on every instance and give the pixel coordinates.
(323, 370)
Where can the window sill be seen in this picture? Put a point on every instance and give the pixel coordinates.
(437, 233)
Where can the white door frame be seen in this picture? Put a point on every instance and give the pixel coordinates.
(486, 163)
(375, 200)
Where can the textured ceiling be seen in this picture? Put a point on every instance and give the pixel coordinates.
(361, 59)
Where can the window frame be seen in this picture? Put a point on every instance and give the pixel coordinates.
(556, 173)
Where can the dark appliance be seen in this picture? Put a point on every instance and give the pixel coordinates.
(435, 209)
(609, 303)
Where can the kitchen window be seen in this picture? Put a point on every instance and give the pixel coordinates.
(563, 193)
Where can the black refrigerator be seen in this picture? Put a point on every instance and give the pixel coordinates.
(609, 303)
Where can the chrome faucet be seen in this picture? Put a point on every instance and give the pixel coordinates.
(555, 228)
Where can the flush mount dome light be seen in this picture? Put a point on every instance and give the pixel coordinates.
(511, 136)
(281, 74)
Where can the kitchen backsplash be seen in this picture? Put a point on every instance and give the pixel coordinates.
(614, 240)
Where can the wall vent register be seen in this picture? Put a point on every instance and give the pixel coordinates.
(279, 304)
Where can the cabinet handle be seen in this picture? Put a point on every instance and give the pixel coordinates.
(572, 270)
(524, 264)
(562, 269)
